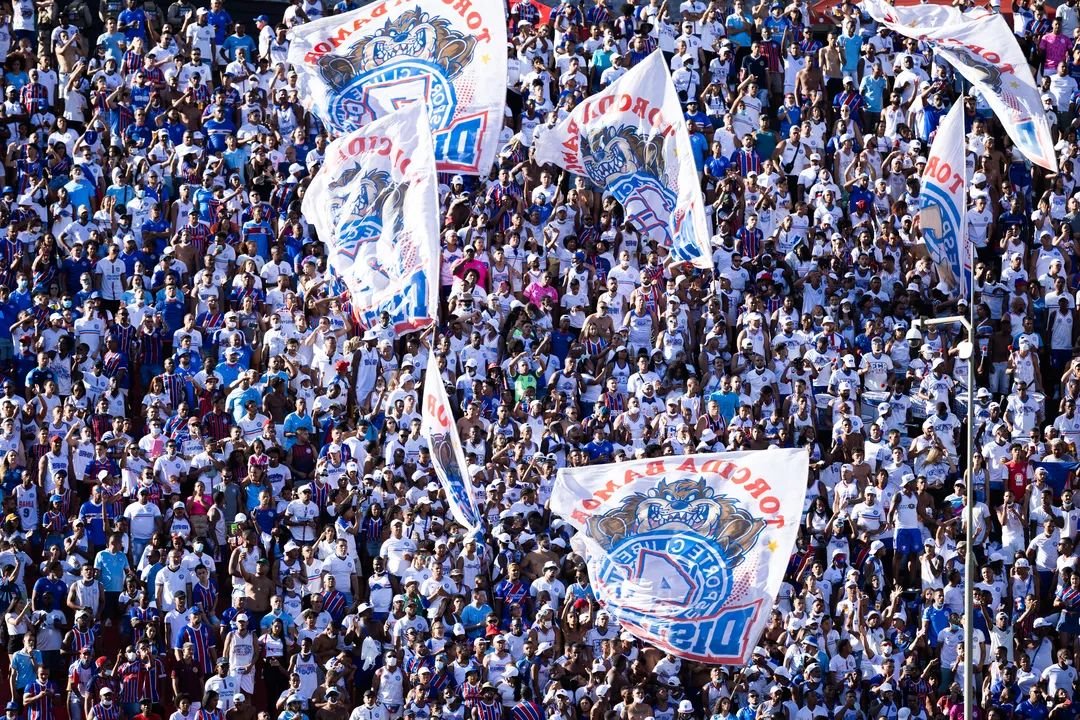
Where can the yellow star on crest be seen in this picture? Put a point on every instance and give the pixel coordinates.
(772, 546)
(485, 59)
(1015, 85)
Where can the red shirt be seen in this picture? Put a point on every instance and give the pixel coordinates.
(1017, 477)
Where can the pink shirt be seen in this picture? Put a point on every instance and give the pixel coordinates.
(1056, 48)
(536, 292)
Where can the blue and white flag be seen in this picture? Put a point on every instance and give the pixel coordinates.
(362, 65)
(631, 139)
(688, 553)
(943, 204)
(374, 203)
(447, 454)
(983, 49)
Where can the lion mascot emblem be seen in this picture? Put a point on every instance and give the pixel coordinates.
(686, 507)
(610, 152)
(413, 35)
(375, 206)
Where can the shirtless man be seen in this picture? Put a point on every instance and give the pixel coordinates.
(638, 709)
(809, 80)
(258, 588)
(471, 420)
(532, 565)
(605, 325)
(831, 61)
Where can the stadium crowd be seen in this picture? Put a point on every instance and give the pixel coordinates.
(216, 501)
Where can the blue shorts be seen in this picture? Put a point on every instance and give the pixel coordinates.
(908, 542)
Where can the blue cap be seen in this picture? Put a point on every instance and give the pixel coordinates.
(262, 18)
(9, 189)
(579, 255)
(95, 295)
(56, 498)
(12, 706)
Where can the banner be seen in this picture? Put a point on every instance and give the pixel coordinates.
(362, 65)
(688, 553)
(631, 139)
(1059, 475)
(447, 455)
(983, 49)
(374, 202)
(943, 204)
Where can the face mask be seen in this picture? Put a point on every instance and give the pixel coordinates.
(439, 665)
(130, 656)
(106, 703)
(391, 662)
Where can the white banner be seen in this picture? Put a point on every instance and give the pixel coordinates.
(983, 49)
(631, 140)
(374, 202)
(688, 553)
(943, 203)
(362, 65)
(447, 454)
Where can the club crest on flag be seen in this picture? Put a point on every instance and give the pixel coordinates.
(372, 204)
(360, 66)
(942, 217)
(375, 204)
(631, 167)
(632, 140)
(939, 219)
(672, 550)
(687, 553)
(414, 55)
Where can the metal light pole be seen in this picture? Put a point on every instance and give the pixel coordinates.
(968, 322)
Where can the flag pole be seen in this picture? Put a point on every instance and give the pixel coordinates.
(969, 502)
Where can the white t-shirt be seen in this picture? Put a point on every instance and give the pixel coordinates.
(142, 518)
(172, 582)
(298, 511)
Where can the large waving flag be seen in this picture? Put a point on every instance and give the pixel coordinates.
(374, 202)
(943, 204)
(632, 140)
(983, 49)
(688, 553)
(447, 454)
(365, 64)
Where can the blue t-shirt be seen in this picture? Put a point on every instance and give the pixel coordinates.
(873, 92)
(852, 52)
(136, 17)
(72, 270)
(24, 667)
(269, 618)
(110, 567)
(91, 514)
(938, 619)
(80, 192)
(292, 423)
(473, 615)
(216, 132)
(58, 589)
(700, 147)
(221, 21)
